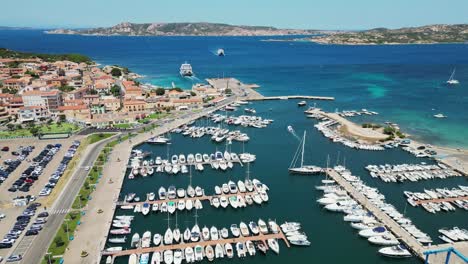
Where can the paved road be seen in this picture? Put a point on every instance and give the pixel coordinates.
(34, 250)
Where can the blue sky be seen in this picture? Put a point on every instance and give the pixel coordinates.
(310, 14)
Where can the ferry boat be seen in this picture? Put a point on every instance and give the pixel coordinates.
(186, 69)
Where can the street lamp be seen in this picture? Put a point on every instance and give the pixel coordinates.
(66, 222)
(48, 255)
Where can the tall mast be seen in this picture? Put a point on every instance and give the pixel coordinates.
(303, 144)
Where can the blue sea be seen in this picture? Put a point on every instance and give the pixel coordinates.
(404, 83)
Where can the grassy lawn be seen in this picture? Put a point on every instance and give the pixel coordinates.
(153, 116)
(97, 137)
(44, 128)
(123, 126)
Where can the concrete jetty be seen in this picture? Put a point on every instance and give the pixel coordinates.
(182, 246)
(416, 248)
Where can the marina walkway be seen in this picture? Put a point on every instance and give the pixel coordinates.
(386, 220)
(201, 198)
(451, 199)
(234, 240)
(287, 97)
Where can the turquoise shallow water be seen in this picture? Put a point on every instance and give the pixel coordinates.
(402, 82)
(292, 198)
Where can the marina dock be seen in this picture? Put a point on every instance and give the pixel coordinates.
(182, 246)
(449, 199)
(386, 220)
(201, 198)
(401, 234)
(287, 97)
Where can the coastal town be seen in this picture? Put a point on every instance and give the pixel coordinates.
(34, 91)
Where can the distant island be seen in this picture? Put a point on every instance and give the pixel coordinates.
(430, 34)
(182, 29)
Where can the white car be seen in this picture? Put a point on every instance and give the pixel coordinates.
(86, 168)
(2, 216)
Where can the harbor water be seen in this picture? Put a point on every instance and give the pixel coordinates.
(404, 83)
(291, 197)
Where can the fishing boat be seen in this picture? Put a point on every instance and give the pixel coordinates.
(451, 80)
(399, 251)
(303, 169)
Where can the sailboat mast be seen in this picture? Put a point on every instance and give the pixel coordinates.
(303, 144)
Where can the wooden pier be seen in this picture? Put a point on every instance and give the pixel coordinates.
(182, 246)
(287, 97)
(451, 199)
(201, 198)
(403, 235)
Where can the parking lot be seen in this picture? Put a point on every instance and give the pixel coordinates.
(40, 165)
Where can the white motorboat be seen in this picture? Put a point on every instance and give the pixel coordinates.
(190, 191)
(205, 233)
(224, 233)
(209, 252)
(132, 259)
(181, 205)
(168, 237)
(219, 251)
(197, 204)
(187, 234)
(249, 185)
(144, 258)
(168, 256)
(274, 228)
(273, 244)
(225, 188)
(198, 191)
(377, 231)
(254, 228)
(250, 247)
(195, 234)
(241, 186)
(158, 140)
(162, 193)
(220, 52)
(145, 208)
(176, 235)
(244, 229)
(233, 201)
(232, 187)
(262, 226)
(189, 255)
(214, 233)
(235, 230)
(223, 201)
(399, 251)
(240, 248)
(135, 242)
(189, 204)
(178, 256)
(385, 240)
(146, 239)
(229, 250)
(156, 258)
(198, 253)
(198, 158)
(174, 159)
(171, 207)
(181, 159)
(157, 238)
(217, 190)
(215, 202)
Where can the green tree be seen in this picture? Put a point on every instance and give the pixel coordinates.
(34, 131)
(66, 88)
(177, 89)
(160, 91)
(116, 72)
(115, 90)
(92, 91)
(62, 118)
(58, 241)
(192, 93)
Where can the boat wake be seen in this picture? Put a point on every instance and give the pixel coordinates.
(192, 78)
(291, 130)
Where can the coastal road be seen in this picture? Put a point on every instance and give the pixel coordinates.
(34, 250)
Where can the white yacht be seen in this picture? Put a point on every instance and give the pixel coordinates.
(157, 239)
(303, 169)
(235, 230)
(209, 252)
(156, 258)
(189, 255)
(168, 256)
(168, 237)
(385, 240)
(229, 250)
(186, 70)
(158, 140)
(198, 253)
(399, 251)
(146, 239)
(219, 251)
(273, 244)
